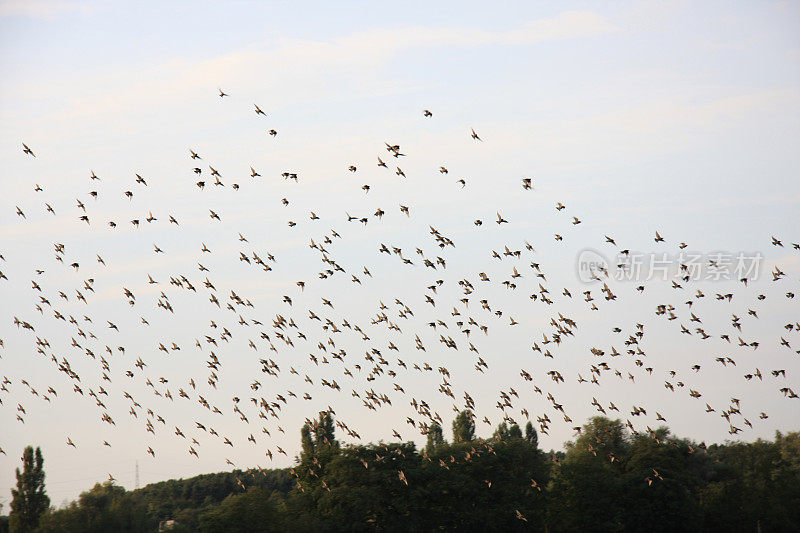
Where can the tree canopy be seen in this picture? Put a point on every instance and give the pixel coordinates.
(608, 479)
(29, 499)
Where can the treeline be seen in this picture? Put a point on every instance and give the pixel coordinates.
(108, 507)
(608, 479)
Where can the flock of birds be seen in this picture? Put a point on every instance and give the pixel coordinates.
(371, 363)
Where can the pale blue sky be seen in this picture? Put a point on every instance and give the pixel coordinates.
(680, 117)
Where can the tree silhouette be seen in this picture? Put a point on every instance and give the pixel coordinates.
(324, 432)
(609, 479)
(317, 438)
(307, 442)
(29, 499)
(531, 435)
(463, 427)
(435, 438)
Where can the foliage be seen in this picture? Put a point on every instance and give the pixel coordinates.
(435, 438)
(29, 499)
(464, 427)
(608, 479)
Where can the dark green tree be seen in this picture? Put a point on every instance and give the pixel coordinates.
(29, 499)
(435, 438)
(658, 485)
(104, 507)
(306, 441)
(531, 435)
(318, 440)
(585, 491)
(249, 512)
(464, 427)
(324, 432)
(754, 485)
(609, 479)
(502, 433)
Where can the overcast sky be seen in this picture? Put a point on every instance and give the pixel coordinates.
(676, 117)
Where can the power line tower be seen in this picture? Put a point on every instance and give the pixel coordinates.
(137, 475)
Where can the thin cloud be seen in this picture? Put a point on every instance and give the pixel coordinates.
(107, 92)
(42, 9)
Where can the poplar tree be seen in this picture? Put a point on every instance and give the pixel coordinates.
(435, 438)
(463, 427)
(29, 499)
